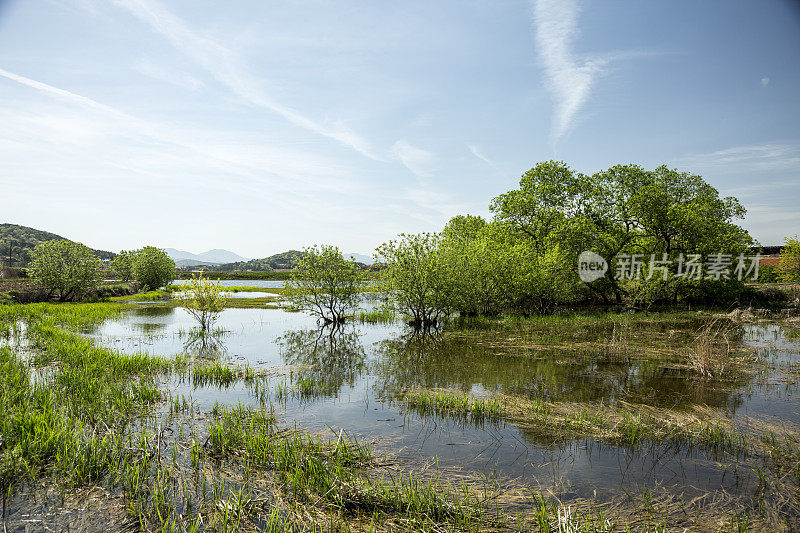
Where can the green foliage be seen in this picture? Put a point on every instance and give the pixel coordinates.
(414, 277)
(768, 274)
(152, 267)
(324, 283)
(17, 244)
(623, 210)
(59, 422)
(122, 264)
(65, 269)
(203, 299)
(790, 259)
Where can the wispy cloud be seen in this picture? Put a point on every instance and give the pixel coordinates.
(764, 81)
(477, 152)
(568, 77)
(227, 68)
(754, 157)
(153, 148)
(417, 160)
(183, 80)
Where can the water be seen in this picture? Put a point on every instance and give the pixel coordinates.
(361, 371)
(266, 283)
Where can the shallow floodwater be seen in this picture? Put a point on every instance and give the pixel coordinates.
(359, 372)
(265, 283)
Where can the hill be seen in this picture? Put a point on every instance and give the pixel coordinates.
(360, 258)
(211, 257)
(282, 261)
(21, 240)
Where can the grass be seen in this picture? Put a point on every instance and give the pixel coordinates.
(376, 316)
(332, 474)
(78, 415)
(711, 355)
(450, 402)
(148, 296)
(69, 423)
(221, 375)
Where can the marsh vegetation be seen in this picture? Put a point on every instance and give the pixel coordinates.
(469, 383)
(486, 423)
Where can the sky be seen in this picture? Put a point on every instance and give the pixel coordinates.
(260, 126)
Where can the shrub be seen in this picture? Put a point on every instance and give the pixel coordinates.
(152, 267)
(203, 299)
(66, 269)
(790, 260)
(123, 265)
(324, 283)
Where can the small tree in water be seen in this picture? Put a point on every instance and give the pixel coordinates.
(325, 284)
(204, 300)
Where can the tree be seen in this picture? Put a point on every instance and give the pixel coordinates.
(477, 265)
(204, 300)
(123, 265)
(549, 195)
(66, 269)
(790, 260)
(623, 210)
(152, 267)
(414, 278)
(325, 284)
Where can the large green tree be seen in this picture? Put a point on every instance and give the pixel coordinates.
(623, 210)
(152, 267)
(66, 269)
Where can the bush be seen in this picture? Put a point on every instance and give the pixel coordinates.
(123, 265)
(203, 299)
(790, 260)
(152, 267)
(324, 283)
(65, 269)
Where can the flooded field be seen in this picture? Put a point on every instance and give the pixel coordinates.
(599, 421)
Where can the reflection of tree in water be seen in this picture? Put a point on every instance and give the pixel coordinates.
(459, 363)
(149, 328)
(327, 357)
(205, 344)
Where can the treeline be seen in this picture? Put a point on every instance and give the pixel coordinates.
(67, 271)
(525, 259)
(17, 244)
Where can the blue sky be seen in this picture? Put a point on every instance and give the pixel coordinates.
(261, 126)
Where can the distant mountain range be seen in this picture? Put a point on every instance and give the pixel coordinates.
(281, 261)
(360, 258)
(17, 243)
(210, 258)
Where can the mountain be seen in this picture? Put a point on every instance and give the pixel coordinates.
(282, 261)
(211, 257)
(360, 258)
(22, 240)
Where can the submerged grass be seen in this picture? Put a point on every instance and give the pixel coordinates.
(334, 475)
(67, 409)
(376, 316)
(452, 402)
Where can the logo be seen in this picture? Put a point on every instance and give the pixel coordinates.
(591, 266)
